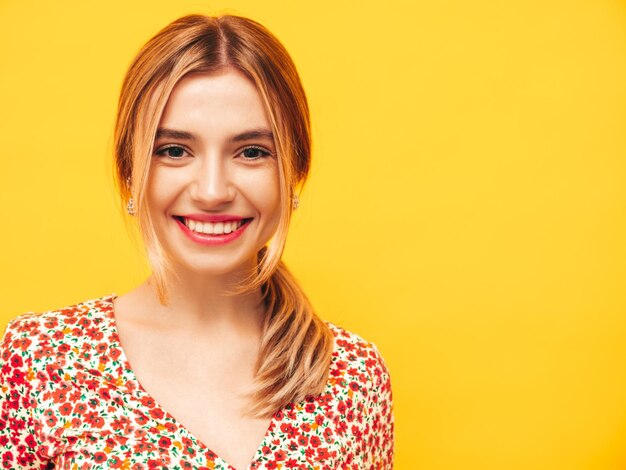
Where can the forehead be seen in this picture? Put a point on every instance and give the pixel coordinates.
(215, 104)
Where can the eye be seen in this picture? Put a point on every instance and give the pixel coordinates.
(175, 152)
(254, 153)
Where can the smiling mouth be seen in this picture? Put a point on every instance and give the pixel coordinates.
(213, 228)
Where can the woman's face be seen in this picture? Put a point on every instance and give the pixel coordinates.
(213, 188)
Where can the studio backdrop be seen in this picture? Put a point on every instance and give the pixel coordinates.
(466, 210)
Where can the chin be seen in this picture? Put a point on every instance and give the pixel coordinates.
(216, 267)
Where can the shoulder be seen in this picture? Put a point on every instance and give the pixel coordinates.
(37, 323)
(358, 359)
(33, 335)
(362, 388)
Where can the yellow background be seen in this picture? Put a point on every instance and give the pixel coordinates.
(466, 211)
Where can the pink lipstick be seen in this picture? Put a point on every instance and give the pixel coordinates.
(212, 229)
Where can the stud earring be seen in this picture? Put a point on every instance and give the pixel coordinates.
(130, 207)
(296, 202)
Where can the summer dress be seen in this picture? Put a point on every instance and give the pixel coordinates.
(70, 400)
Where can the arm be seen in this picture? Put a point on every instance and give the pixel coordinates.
(18, 437)
(381, 407)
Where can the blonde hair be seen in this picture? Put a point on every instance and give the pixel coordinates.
(296, 345)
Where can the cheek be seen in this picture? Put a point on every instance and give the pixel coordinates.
(155, 196)
(263, 191)
(271, 195)
(162, 187)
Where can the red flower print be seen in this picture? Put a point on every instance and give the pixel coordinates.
(165, 442)
(342, 427)
(115, 462)
(105, 394)
(22, 344)
(16, 361)
(157, 413)
(30, 441)
(94, 419)
(65, 409)
(341, 407)
(170, 427)
(148, 402)
(7, 458)
(141, 419)
(336, 372)
(93, 403)
(188, 447)
(289, 429)
(114, 354)
(323, 454)
(51, 323)
(50, 417)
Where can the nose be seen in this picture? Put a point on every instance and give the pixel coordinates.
(212, 184)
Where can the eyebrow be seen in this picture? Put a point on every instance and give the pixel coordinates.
(260, 133)
(173, 134)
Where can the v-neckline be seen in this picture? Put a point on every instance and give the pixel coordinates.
(167, 416)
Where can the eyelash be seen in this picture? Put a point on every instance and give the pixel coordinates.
(261, 149)
(162, 152)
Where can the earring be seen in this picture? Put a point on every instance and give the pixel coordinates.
(130, 207)
(296, 202)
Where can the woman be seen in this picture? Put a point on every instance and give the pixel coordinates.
(217, 360)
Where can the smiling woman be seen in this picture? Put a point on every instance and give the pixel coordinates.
(214, 176)
(217, 360)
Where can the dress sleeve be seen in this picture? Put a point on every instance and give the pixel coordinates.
(381, 406)
(18, 437)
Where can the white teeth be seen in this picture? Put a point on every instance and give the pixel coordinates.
(209, 228)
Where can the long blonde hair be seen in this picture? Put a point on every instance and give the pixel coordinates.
(296, 345)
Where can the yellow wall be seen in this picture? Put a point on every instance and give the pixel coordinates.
(467, 210)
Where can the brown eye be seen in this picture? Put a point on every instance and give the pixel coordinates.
(252, 153)
(173, 151)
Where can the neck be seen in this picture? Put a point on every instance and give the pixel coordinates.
(207, 304)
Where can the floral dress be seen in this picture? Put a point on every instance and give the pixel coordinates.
(70, 400)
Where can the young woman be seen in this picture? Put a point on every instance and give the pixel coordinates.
(217, 360)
